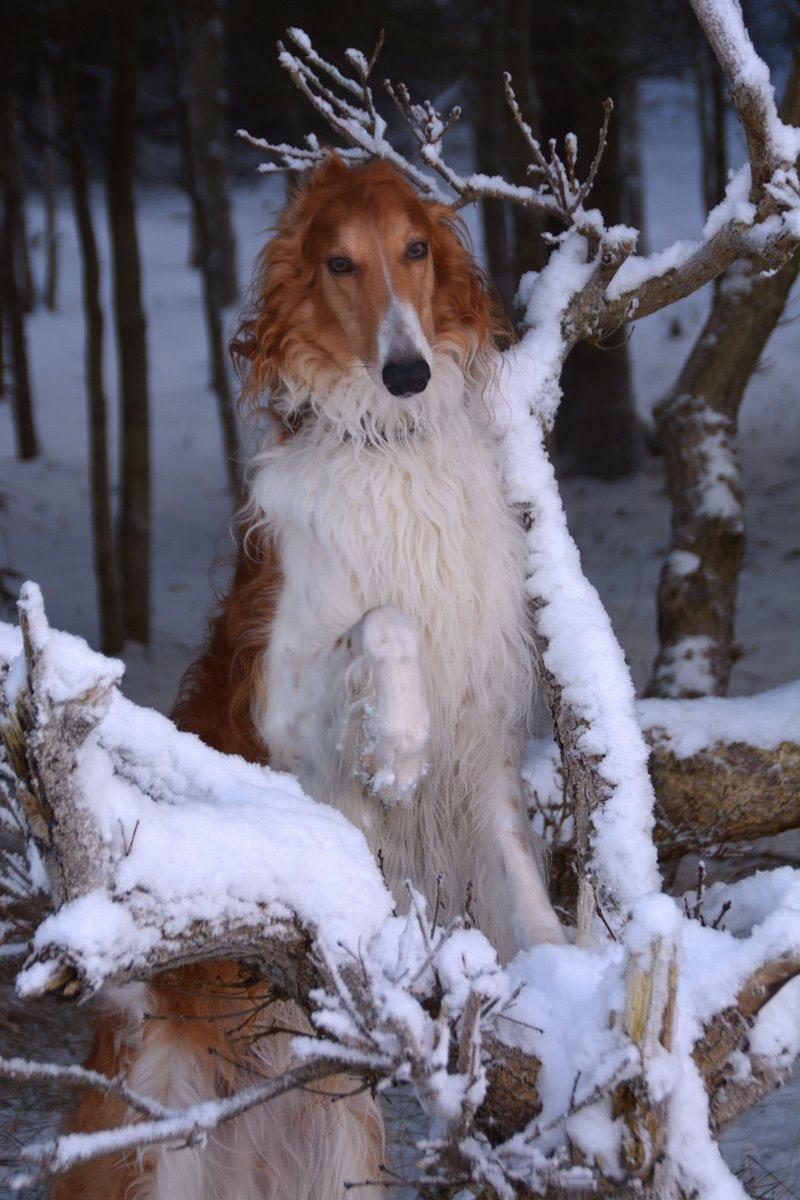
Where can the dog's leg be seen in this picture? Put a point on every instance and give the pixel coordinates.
(396, 720)
(514, 864)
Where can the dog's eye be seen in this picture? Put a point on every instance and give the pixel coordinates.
(417, 250)
(339, 265)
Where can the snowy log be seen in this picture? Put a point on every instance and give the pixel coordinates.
(724, 771)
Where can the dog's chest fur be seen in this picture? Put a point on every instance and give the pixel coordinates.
(421, 524)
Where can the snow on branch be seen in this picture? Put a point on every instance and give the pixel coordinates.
(771, 144)
(346, 103)
(566, 1071)
(759, 216)
(588, 686)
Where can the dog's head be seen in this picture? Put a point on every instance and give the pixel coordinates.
(363, 284)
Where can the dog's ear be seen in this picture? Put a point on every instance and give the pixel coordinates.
(264, 336)
(467, 311)
(270, 330)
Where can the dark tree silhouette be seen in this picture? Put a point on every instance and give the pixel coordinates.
(111, 633)
(202, 218)
(131, 328)
(13, 288)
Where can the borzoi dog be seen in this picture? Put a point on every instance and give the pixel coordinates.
(374, 642)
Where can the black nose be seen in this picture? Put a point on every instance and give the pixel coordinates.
(406, 378)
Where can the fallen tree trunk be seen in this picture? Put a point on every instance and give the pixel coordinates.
(724, 770)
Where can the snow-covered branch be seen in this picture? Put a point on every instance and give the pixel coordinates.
(759, 216)
(771, 145)
(568, 1069)
(346, 103)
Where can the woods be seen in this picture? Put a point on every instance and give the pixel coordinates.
(608, 1065)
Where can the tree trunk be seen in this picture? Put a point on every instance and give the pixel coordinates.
(511, 238)
(15, 166)
(490, 117)
(711, 116)
(131, 330)
(49, 191)
(697, 426)
(110, 615)
(27, 441)
(597, 432)
(212, 306)
(205, 70)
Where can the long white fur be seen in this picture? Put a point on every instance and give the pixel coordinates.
(399, 686)
(384, 502)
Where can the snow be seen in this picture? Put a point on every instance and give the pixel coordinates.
(776, 1032)
(734, 206)
(765, 720)
(581, 651)
(686, 665)
(637, 269)
(192, 835)
(70, 668)
(718, 474)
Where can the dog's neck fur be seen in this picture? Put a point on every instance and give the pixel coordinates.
(418, 521)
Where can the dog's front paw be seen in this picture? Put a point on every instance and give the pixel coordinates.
(393, 762)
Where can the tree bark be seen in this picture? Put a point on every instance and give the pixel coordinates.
(597, 431)
(739, 780)
(202, 217)
(711, 117)
(49, 191)
(15, 166)
(490, 116)
(205, 68)
(131, 330)
(697, 426)
(726, 793)
(108, 597)
(14, 302)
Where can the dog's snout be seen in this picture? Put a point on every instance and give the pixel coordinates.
(406, 378)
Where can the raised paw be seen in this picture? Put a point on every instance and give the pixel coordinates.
(398, 725)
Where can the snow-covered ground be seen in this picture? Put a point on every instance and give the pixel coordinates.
(621, 528)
